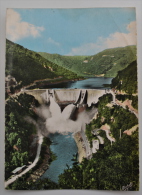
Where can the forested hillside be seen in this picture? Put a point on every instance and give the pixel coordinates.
(27, 66)
(126, 80)
(18, 132)
(106, 63)
(69, 62)
(114, 165)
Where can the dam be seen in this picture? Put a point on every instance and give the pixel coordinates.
(68, 103)
(69, 96)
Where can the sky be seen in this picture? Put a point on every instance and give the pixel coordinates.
(85, 31)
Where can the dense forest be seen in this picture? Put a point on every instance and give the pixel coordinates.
(115, 164)
(112, 167)
(18, 132)
(126, 80)
(26, 66)
(106, 63)
(69, 62)
(130, 97)
(115, 116)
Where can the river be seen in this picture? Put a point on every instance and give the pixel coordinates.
(89, 83)
(64, 146)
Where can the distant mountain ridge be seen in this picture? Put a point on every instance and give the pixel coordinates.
(106, 63)
(26, 66)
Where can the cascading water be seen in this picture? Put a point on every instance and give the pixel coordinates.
(68, 111)
(54, 108)
(60, 122)
(61, 129)
(63, 146)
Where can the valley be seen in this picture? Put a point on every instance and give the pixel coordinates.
(100, 124)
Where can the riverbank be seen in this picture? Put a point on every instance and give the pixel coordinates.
(40, 84)
(50, 82)
(11, 180)
(43, 163)
(79, 142)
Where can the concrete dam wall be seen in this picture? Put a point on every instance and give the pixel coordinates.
(69, 96)
(69, 103)
(36, 93)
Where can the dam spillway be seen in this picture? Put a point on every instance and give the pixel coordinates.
(69, 96)
(70, 103)
(65, 96)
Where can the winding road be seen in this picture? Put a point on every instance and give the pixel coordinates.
(131, 109)
(100, 139)
(112, 139)
(30, 166)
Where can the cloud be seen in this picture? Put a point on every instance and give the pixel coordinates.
(17, 29)
(117, 39)
(132, 27)
(50, 40)
(123, 39)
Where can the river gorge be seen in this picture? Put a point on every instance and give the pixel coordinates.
(63, 143)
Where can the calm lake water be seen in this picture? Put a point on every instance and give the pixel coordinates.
(90, 83)
(63, 146)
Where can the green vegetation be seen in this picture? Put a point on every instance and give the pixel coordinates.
(106, 63)
(27, 66)
(18, 132)
(130, 97)
(102, 118)
(45, 145)
(123, 120)
(26, 183)
(68, 62)
(116, 117)
(113, 166)
(40, 184)
(109, 169)
(31, 67)
(126, 80)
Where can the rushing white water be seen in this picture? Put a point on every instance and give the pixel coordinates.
(54, 108)
(59, 121)
(61, 129)
(68, 111)
(52, 120)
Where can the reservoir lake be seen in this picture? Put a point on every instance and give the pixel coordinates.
(89, 83)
